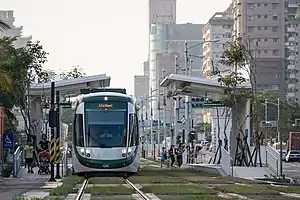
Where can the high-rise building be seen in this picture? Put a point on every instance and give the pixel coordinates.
(170, 38)
(8, 17)
(140, 86)
(162, 12)
(262, 24)
(146, 68)
(292, 39)
(218, 27)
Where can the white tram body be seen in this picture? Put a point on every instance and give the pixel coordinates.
(105, 133)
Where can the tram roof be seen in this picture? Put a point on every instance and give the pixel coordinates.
(96, 94)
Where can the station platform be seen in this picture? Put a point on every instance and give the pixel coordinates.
(44, 189)
(27, 184)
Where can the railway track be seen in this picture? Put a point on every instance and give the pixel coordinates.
(81, 191)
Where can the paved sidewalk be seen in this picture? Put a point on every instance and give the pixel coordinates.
(13, 187)
(28, 184)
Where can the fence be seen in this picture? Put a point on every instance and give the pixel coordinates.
(272, 162)
(18, 161)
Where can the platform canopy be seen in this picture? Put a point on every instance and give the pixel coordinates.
(72, 86)
(195, 86)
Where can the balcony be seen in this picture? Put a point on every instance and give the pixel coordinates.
(291, 58)
(291, 67)
(293, 5)
(292, 48)
(291, 86)
(290, 94)
(292, 39)
(291, 30)
(292, 76)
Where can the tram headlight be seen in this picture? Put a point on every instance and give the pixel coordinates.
(82, 151)
(128, 151)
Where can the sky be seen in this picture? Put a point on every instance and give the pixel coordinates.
(101, 36)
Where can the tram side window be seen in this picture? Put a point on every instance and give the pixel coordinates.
(79, 130)
(134, 139)
(137, 135)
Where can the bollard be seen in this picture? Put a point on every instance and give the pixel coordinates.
(57, 150)
(57, 157)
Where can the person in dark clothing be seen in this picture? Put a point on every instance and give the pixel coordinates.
(172, 155)
(44, 143)
(178, 153)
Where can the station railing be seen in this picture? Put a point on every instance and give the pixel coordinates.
(18, 161)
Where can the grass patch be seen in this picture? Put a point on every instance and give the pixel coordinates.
(27, 198)
(244, 190)
(217, 180)
(148, 161)
(109, 198)
(67, 187)
(178, 189)
(72, 180)
(109, 190)
(106, 180)
(155, 179)
(202, 197)
(289, 189)
(63, 190)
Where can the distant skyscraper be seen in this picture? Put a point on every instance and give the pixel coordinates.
(162, 12)
(8, 17)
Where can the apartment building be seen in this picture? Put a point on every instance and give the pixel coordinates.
(262, 24)
(292, 48)
(218, 27)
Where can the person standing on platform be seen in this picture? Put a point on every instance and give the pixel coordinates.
(29, 154)
(44, 143)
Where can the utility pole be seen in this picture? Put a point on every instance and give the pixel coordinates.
(146, 127)
(165, 113)
(266, 119)
(279, 135)
(187, 98)
(151, 125)
(57, 152)
(158, 116)
(176, 109)
(52, 120)
(143, 128)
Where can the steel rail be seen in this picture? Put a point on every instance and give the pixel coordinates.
(80, 193)
(142, 195)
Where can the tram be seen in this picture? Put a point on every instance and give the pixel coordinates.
(105, 133)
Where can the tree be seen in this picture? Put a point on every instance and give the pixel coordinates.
(5, 46)
(3, 25)
(27, 64)
(46, 75)
(75, 72)
(238, 56)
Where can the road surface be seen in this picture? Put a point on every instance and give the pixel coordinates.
(292, 169)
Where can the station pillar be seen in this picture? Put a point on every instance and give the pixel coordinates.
(240, 124)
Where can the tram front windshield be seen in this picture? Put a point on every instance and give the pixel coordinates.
(106, 128)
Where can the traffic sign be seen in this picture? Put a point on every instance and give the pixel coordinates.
(270, 124)
(66, 104)
(8, 140)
